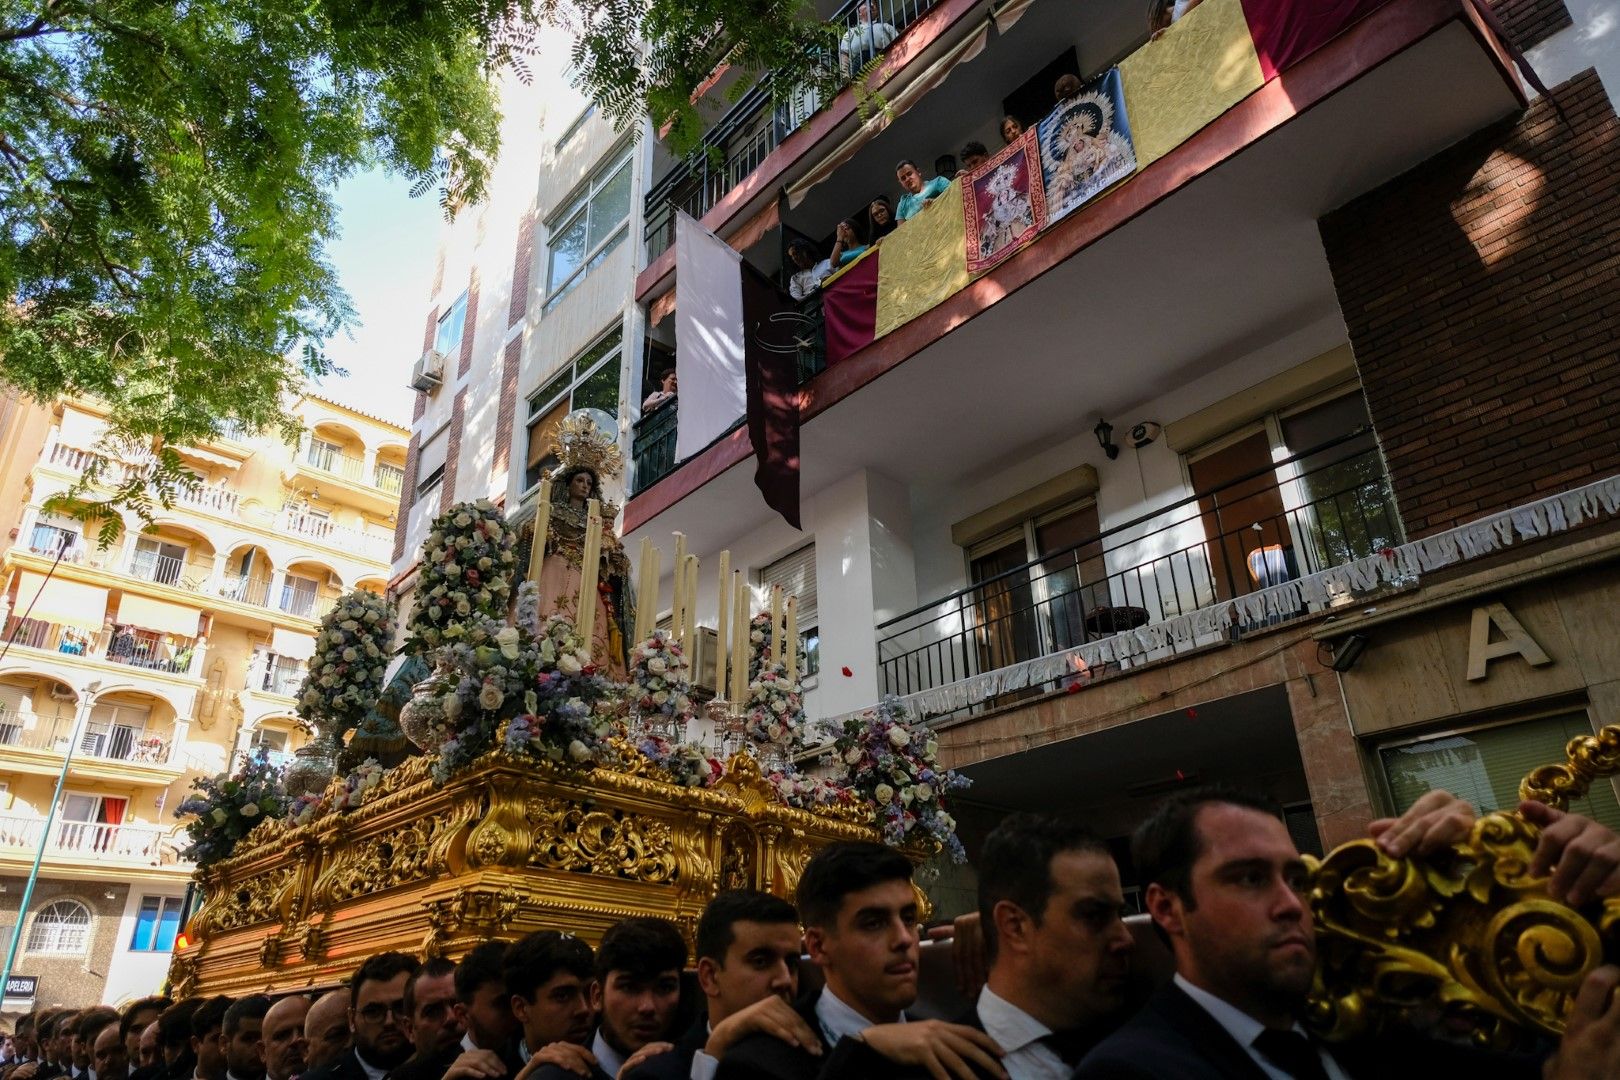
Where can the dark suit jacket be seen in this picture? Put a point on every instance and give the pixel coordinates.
(343, 1067)
(556, 1072)
(434, 1066)
(1174, 1038)
(675, 1064)
(763, 1057)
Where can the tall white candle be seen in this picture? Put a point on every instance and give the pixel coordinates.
(790, 639)
(590, 569)
(739, 639)
(722, 625)
(542, 524)
(677, 611)
(776, 624)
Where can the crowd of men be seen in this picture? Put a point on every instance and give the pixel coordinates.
(1048, 952)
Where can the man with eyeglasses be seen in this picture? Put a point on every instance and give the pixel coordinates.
(377, 1019)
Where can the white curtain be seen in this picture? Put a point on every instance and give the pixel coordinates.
(708, 337)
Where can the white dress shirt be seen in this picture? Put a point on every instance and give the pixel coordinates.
(838, 1020)
(1024, 1055)
(608, 1058)
(703, 1066)
(1245, 1029)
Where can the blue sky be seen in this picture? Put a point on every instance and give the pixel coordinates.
(384, 259)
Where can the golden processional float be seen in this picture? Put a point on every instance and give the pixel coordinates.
(554, 788)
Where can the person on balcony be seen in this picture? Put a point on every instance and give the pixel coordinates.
(945, 166)
(811, 270)
(973, 155)
(1165, 12)
(663, 395)
(862, 42)
(1011, 129)
(879, 219)
(918, 194)
(847, 246)
(1067, 88)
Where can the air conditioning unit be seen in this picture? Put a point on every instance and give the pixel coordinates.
(429, 371)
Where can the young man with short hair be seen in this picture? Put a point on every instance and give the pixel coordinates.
(174, 1039)
(1050, 909)
(283, 1048)
(86, 1027)
(434, 1024)
(138, 1016)
(859, 911)
(636, 994)
(241, 1033)
(548, 980)
(205, 1040)
(748, 947)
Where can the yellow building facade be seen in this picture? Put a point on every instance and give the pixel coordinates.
(174, 650)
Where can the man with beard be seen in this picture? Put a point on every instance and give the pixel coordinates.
(1050, 905)
(377, 1020)
(326, 1030)
(1226, 889)
(637, 993)
(242, 1033)
(283, 1049)
(435, 1024)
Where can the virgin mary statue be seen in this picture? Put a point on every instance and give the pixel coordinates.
(586, 457)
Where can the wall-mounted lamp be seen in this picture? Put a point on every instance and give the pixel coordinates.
(1348, 651)
(1105, 438)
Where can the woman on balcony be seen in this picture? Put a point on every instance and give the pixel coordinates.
(561, 574)
(879, 218)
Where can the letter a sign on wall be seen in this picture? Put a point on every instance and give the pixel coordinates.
(1515, 641)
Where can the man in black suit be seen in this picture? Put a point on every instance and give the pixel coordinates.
(1226, 889)
(636, 992)
(548, 981)
(1050, 906)
(326, 1030)
(376, 1020)
(242, 1035)
(174, 1039)
(748, 970)
(435, 1026)
(859, 911)
(206, 1045)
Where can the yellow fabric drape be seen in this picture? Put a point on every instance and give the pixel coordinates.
(1200, 67)
(923, 262)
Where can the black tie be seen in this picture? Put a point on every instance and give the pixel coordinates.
(1291, 1052)
(1071, 1046)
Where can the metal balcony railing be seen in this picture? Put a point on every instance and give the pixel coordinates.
(1331, 506)
(100, 740)
(126, 843)
(330, 459)
(284, 679)
(389, 478)
(246, 590)
(764, 116)
(151, 651)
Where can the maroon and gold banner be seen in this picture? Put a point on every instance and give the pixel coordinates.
(1003, 203)
(849, 302)
(1286, 31)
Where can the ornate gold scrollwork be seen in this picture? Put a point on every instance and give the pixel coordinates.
(251, 902)
(1468, 931)
(569, 837)
(477, 912)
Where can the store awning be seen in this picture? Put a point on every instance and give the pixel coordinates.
(292, 645)
(65, 603)
(159, 616)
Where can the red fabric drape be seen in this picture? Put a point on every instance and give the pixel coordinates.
(112, 811)
(1286, 31)
(771, 359)
(850, 305)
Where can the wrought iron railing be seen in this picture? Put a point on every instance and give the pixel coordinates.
(652, 445)
(151, 651)
(1316, 510)
(107, 742)
(764, 116)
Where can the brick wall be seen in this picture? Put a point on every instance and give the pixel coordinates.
(452, 450)
(510, 361)
(520, 271)
(1480, 291)
(1530, 22)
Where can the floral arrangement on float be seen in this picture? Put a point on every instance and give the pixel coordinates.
(895, 769)
(660, 688)
(466, 571)
(568, 713)
(227, 807)
(688, 764)
(774, 718)
(345, 679)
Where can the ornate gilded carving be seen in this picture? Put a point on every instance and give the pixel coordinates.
(472, 912)
(568, 837)
(396, 857)
(1589, 758)
(250, 902)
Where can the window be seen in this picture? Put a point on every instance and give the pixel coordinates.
(54, 533)
(298, 595)
(156, 560)
(587, 229)
(157, 924)
(1028, 608)
(430, 460)
(61, 928)
(796, 574)
(113, 732)
(447, 336)
(576, 127)
(1484, 765)
(590, 382)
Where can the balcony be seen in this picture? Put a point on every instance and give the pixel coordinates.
(103, 742)
(390, 478)
(80, 841)
(756, 125)
(355, 480)
(167, 654)
(1209, 254)
(1333, 506)
(320, 528)
(209, 498)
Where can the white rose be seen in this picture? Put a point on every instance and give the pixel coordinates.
(660, 697)
(883, 793)
(490, 697)
(250, 810)
(779, 707)
(452, 706)
(922, 792)
(463, 520)
(579, 751)
(569, 664)
(900, 737)
(853, 757)
(507, 639)
(463, 608)
(657, 666)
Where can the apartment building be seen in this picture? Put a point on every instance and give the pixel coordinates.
(1190, 487)
(173, 651)
(531, 314)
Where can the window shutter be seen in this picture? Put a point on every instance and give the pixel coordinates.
(796, 573)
